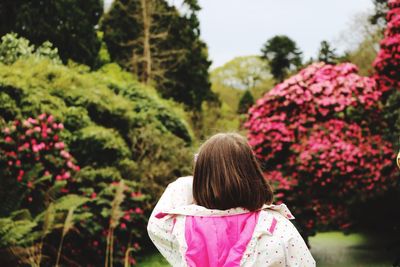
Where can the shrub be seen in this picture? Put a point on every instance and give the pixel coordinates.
(317, 135)
(32, 159)
(13, 48)
(387, 61)
(119, 131)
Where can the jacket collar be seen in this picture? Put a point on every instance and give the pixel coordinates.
(196, 210)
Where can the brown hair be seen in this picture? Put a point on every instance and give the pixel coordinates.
(227, 175)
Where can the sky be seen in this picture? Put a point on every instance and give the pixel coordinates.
(234, 28)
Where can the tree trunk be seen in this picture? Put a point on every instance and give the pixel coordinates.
(146, 13)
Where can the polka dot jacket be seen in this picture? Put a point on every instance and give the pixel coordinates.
(190, 235)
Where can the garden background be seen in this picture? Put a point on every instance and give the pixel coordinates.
(101, 108)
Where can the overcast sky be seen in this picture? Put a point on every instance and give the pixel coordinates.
(240, 27)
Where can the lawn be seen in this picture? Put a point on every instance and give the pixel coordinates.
(331, 249)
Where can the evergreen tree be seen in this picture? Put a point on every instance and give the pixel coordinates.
(327, 54)
(159, 44)
(68, 24)
(283, 56)
(245, 102)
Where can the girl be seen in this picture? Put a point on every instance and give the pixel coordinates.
(223, 216)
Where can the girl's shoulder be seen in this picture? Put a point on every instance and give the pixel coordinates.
(280, 210)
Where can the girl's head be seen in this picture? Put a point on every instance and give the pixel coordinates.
(227, 175)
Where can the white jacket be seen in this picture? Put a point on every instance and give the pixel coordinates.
(190, 235)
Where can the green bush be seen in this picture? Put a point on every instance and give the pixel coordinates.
(13, 48)
(118, 130)
(99, 146)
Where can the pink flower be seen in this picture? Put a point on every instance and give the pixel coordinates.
(127, 217)
(66, 175)
(59, 145)
(138, 210)
(132, 261)
(20, 175)
(50, 119)
(42, 116)
(65, 154)
(26, 124)
(136, 194)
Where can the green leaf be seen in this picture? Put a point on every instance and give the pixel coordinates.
(66, 202)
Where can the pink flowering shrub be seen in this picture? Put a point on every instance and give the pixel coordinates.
(312, 135)
(387, 62)
(32, 159)
(87, 245)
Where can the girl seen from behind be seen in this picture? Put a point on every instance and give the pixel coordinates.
(223, 216)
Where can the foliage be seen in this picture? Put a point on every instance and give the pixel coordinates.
(216, 118)
(387, 61)
(365, 53)
(381, 9)
(311, 131)
(242, 73)
(282, 55)
(117, 130)
(36, 167)
(245, 102)
(156, 43)
(361, 40)
(387, 72)
(68, 24)
(12, 48)
(326, 53)
(228, 82)
(32, 160)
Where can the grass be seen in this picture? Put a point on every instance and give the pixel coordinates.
(329, 250)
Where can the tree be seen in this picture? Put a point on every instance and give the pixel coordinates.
(158, 44)
(326, 53)
(242, 73)
(282, 55)
(245, 102)
(381, 9)
(68, 24)
(361, 41)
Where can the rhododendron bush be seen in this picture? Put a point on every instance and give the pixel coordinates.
(32, 159)
(312, 134)
(387, 71)
(37, 170)
(387, 62)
